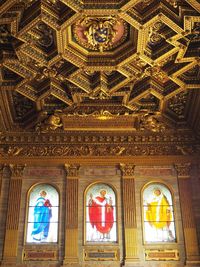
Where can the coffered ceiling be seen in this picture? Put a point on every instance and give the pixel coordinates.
(64, 61)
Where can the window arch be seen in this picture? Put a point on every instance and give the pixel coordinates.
(158, 214)
(43, 208)
(100, 225)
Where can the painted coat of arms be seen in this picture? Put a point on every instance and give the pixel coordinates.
(99, 34)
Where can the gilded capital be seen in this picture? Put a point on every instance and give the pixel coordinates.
(72, 170)
(17, 171)
(183, 169)
(127, 170)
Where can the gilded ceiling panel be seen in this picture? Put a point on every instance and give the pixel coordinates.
(139, 58)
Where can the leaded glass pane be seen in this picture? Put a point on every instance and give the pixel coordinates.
(101, 214)
(42, 226)
(159, 225)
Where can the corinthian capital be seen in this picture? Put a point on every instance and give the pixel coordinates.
(183, 169)
(17, 171)
(127, 170)
(72, 170)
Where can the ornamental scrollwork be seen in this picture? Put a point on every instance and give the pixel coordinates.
(155, 37)
(10, 150)
(89, 150)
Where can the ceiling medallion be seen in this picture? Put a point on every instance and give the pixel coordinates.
(100, 34)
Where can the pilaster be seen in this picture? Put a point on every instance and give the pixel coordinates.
(13, 212)
(71, 231)
(129, 211)
(189, 226)
(1, 176)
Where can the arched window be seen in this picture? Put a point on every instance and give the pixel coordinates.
(158, 214)
(42, 225)
(101, 214)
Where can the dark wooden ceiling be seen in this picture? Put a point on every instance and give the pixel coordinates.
(52, 62)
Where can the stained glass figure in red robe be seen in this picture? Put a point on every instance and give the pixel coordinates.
(101, 214)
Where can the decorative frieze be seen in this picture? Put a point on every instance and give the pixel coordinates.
(87, 150)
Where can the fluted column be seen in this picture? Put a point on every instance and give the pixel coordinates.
(71, 231)
(189, 227)
(13, 212)
(1, 177)
(129, 211)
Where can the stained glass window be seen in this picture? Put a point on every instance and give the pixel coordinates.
(42, 225)
(101, 214)
(159, 225)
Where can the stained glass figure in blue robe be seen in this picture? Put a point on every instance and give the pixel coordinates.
(42, 217)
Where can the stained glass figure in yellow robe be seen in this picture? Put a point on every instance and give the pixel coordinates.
(158, 213)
